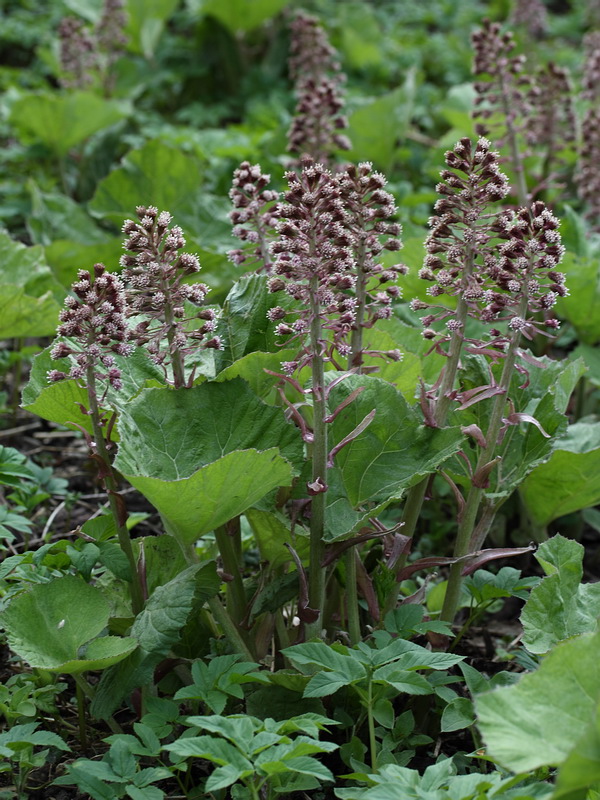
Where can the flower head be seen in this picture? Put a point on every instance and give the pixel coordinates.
(154, 273)
(318, 83)
(94, 325)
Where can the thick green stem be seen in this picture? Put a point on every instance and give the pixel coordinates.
(355, 361)
(219, 612)
(371, 722)
(316, 578)
(174, 352)
(81, 715)
(414, 498)
(236, 594)
(469, 514)
(352, 596)
(229, 628)
(110, 483)
(356, 340)
(416, 494)
(85, 690)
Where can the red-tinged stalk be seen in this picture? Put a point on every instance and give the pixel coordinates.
(321, 230)
(94, 324)
(463, 544)
(526, 273)
(317, 573)
(457, 248)
(115, 503)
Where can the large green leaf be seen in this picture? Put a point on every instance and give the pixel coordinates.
(146, 22)
(157, 628)
(539, 721)
(341, 517)
(560, 606)
(581, 768)
(570, 480)
(53, 626)
(23, 315)
(27, 267)
(394, 451)
(238, 15)
(582, 306)
(205, 454)
(55, 216)
(62, 121)
(271, 532)
(417, 363)
(252, 368)
(376, 127)
(215, 493)
(243, 324)
(140, 179)
(28, 291)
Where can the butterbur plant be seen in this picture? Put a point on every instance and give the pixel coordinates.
(458, 247)
(502, 268)
(502, 105)
(252, 217)
(588, 174)
(89, 55)
(329, 232)
(532, 15)
(309, 465)
(154, 270)
(94, 326)
(527, 281)
(551, 125)
(316, 72)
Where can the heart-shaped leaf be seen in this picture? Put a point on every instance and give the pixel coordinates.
(54, 626)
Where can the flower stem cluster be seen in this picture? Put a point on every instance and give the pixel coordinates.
(503, 89)
(490, 261)
(94, 322)
(314, 262)
(252, 215)
(154, 271)
(551, 125)
(525, 270)
(330, 232)
(459, 246)
(588, 172)
(531, 15)
(318, 81)
(77, 58)
(370, 208)
(89, 53)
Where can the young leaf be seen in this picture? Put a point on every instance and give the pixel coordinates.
(557, 703)
(48, 625)
(560, 606)
(570, 480)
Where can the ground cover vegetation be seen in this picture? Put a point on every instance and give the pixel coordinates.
(322, 524)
